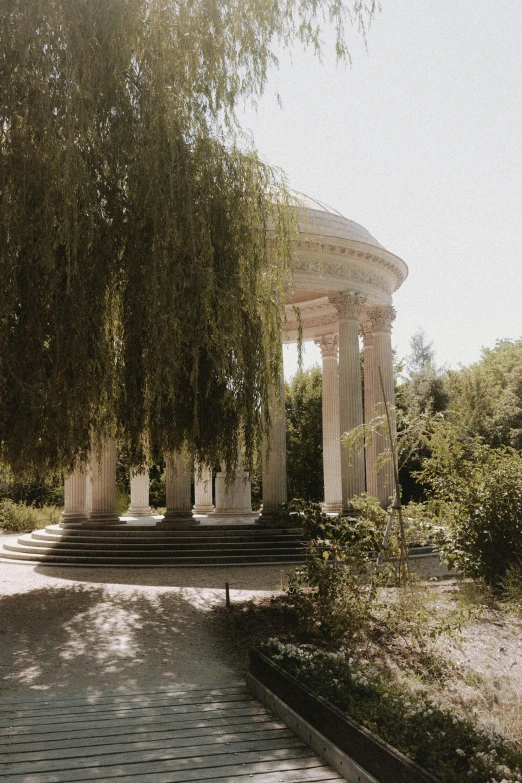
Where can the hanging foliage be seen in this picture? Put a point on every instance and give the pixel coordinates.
(138, 293)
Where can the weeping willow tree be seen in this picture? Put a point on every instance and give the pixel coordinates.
(139, 296)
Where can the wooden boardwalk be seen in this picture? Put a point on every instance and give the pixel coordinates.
(187, 733)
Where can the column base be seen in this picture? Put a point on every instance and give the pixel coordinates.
(73, 519)
(99, 519)
(177, 520)
(204, 509)
(267, 516)
(141, 511)
(235, 512)
(332, 508)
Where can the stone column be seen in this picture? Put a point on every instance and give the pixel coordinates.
(177, 485)
(88, 493)
(333, 490)
(378, 353)
(203, 491)
(104, 486)
(348, 306)
(75, 510)
(139, 494)
(234, 499)
(273, 457)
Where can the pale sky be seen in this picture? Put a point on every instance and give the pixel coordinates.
(420, 141)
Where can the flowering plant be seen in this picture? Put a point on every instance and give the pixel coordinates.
(453, 747)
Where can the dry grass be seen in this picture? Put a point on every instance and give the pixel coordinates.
(466, 650)
(19, 518)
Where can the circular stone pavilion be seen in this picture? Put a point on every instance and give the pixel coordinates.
(343, 283)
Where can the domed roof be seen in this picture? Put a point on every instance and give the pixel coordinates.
(322, 219)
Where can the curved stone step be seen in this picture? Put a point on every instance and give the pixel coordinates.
(151, 549)
(202, 531)
(242, 545)
(102, 551)
(163, 540)
(83, 559)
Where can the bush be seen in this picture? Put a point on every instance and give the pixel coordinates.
(334, 590)
(450, 746)
(512, 583)
(157, 491)
(478, 497)
(19, 518)
(36, 492)
(333, 603)
(122, 501)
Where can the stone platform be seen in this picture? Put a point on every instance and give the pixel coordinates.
(142, 543)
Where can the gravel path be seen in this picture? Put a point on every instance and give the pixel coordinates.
(87, 630)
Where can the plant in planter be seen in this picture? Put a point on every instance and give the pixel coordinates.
(450, 746)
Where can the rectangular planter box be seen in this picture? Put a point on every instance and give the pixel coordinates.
(355, 752)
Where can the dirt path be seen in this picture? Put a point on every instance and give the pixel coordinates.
(88, 630)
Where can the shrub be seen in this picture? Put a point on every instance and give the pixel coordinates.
(512, 583)
(333, 604)
(19, 518)
(122, 501)
(157, 492)
(334, 590)
(36, 491)
(478, 497)
(420, 523)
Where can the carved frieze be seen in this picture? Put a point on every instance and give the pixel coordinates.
(343, 271)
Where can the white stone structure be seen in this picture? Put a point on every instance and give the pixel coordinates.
(343, 283)
(77, 499)
(103, 468)
(274, 456)
(177, 485)
(203, 491)
(139, 492)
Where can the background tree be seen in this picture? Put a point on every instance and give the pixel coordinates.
(421, 395)
(138, 295)
(304, 435)
(486, 397)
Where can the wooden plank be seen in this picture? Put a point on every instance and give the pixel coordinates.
(64, 738)
(172, 689)
(138, 735)
(100, 750)
(38, 704)
(191, 755)
(181, 770)
(78, 720)
(185, 735)
(191, 750)
(312, 775)
(246, 713)
(138, 703)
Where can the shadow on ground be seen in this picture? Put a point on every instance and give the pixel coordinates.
(262, 578)
(81, 639)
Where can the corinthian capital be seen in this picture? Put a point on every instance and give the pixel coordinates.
(381, 318)
(365, 331)
(347, 304)
(328, 345)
